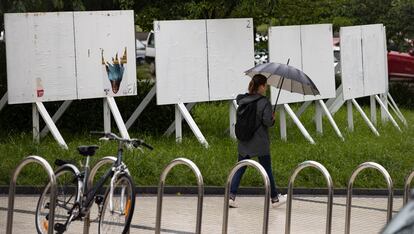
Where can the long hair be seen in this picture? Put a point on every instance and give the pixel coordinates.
(256, 81)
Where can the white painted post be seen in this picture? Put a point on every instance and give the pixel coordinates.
(303, 108)
(192, 124)
(364, 116)
(36, 124)
(232, 117)
(51, 125)
(178, 125)
(282, 118)
(118, 118)
(373, 110)
(318, 118)
(331, 120)
(397, 110)
(350, 116)
(305, 133)
(388, 113)
(106, 116)
(56, 116)
(3, 101)
(171, 128)
(336, 103)
(144, 103)
(384, 116)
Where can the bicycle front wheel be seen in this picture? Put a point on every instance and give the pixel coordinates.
(66, 196)
(118, 209)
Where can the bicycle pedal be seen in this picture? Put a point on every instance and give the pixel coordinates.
(99, 199)
(59, 228)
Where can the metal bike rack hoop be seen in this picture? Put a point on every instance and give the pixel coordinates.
(329, 182)
(262, 171)
(360, 168)
(200, 182)
(12, 191)
(92, 173)
(407, 187)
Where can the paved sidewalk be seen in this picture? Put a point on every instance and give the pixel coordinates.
(308, 216)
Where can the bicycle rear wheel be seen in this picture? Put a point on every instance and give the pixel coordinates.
(66, 196)
(117, 219)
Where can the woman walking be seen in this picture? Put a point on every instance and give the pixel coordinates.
(259, 143)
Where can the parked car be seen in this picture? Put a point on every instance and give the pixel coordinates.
(140, 51)
(150, 52)
(401, 66)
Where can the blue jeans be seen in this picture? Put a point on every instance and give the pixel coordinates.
(266, 163)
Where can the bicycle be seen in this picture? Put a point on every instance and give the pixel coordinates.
(74, 199)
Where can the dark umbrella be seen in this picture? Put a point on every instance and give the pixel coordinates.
(284, 76)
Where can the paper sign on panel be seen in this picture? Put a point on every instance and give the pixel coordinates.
(40, 57)
(230, 53)
(105, 52)
(181, 61)
(284, 44)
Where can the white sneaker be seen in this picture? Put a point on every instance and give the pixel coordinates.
(233, 203)
(280, 200)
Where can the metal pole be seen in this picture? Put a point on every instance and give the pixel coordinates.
(200, 182)
(329, 182)
(92, 173)
(407, 187)
(12, 191)
(266, 180)
(388, 179)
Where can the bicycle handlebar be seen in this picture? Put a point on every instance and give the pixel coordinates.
(134, 142)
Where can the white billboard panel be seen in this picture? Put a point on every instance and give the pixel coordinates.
(375, 76)
(318, 59)
(181, 61)
(363, 61)
(351, 62)
(105, 53)
(309, 48)
(40, 57)
(230, 53)
(284, 45)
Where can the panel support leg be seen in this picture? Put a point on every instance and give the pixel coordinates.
(282, 118)
(350, 116)
(178, 125)
(3, 101)
(373, 110)
(384, 116)
(117, 117)
(172, 127)
(50, 124)
(303, 108)
(192, 124)
(233, 118)
(397, 110)
(303, 130)
(331, 120)
(56, 116)
(36, 124)
(364, 116)
(144, 103)
(318, 118)
(106, 116)
(387, 113)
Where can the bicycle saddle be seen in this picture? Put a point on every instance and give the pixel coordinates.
(87, 150)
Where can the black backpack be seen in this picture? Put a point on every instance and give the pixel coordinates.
(246, 124)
